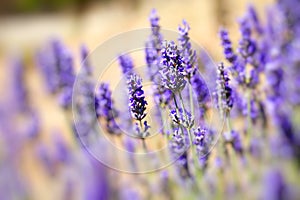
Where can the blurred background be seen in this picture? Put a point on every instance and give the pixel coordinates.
(25, 26)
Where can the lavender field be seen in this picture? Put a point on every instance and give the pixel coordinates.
(151, 100)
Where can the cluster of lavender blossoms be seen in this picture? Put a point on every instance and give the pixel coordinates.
(242, 140)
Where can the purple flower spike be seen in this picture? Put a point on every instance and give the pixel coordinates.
(86, 64)
(173, 71)
(224, 91)
(247, 45)
(234, 139)
(153, 47)
(126, 64)
(189, 57)
(227, 46)
(178, 147)
(201, 91)
(19, 91)
(254, 19)
(104, 106)
(137, 102)
(203, 140)
(274, 186)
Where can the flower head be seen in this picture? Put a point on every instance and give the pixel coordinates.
(224, 91)
(137, 102)
(178, 146)
(189, 58)
(173, 71)
(105, 108)
(126, 64)
(153, 46)
(203, 141)
(233, 137)
(227, 46)
(247, 46)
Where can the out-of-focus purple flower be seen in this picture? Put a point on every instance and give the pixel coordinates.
(201, 91)
(274, 186)
(227, 46)
(84, 107)
(178, 147)
(224, 91)
(254, 112)
(48, 66)
(153, 47)
(253, 79)
(105, 109)
(96, 182)
(247, 45)
(129, 193)
(255, 148)
(137, 102)
(189, 57)
(46, 159)
(85, 62)
(182, 118)
(126, 64)
(57, 65)
(162, 96)
(62, 151)
(203, 141)
(19, 92)
(255, 22)
(33, 126)
(233, 137)
(173, 71)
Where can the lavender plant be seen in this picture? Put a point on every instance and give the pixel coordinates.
(259, 147)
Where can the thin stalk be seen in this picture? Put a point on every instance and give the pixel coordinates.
(143, 139)
(191, 99)
(193, 151)
(249, 120)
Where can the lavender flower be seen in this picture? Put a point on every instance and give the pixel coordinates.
(274, 186)
(126, 64)
(201, 92)
(153, 47)
(247, 45)
(252, 14)
(234, 139)
(86, 64)
(137, 100)
(62, 152)
(48, 65)
(182, 118)
(58, 68)
(189, 58)
(173, 70)
(224, 91)
(226, 43)
(178, 147)
(19, 92)
(202, 140)
(105, 108)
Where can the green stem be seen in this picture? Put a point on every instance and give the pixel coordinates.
(191, 99)
(143, 139)
(249, 120)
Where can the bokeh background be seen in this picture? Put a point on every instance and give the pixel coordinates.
(27, 168)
